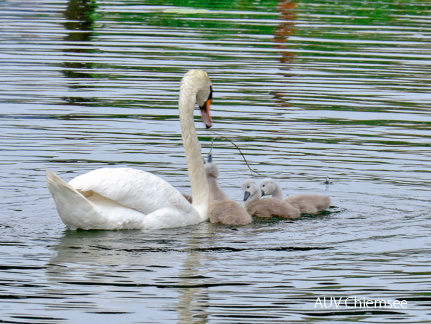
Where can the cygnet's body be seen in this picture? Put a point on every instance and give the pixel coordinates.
(268, 207)
(222, 209)
(306, 203)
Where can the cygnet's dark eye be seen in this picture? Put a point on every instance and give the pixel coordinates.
(248, 187)
(263, 185)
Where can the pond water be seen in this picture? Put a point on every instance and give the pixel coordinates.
(328, 97)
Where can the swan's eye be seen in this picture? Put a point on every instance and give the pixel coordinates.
(263, 186)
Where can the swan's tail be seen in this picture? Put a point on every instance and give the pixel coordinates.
(72, 206)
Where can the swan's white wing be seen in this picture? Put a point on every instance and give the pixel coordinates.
(76, 211)
(111, 199)
(131, 188)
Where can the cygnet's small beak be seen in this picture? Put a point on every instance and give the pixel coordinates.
(263, 193)
(205, 112)
(246, 195)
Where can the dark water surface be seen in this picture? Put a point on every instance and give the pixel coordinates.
(307, 90)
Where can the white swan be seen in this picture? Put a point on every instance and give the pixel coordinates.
(222, 209)
(268, 207)
(124, 198)
(306, 203)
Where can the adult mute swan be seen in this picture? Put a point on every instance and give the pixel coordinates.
(306, 203)
(125, 198)
(268, 207)
(222, 209)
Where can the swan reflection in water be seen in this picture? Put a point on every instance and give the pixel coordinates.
(116, 270)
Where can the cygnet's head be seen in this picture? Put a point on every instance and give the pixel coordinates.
(268, 186)
(251, 191)
(211, 170)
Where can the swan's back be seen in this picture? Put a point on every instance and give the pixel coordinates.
(89, 210)
(135, 189)
(120, 198)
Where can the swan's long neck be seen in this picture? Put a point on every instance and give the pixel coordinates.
(192, 148)
(277, 193)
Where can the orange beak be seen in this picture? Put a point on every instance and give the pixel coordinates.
(205, 112)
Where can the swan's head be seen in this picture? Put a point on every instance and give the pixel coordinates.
(211, 170)
(251, 191)
(268, 186)
(198, 83)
